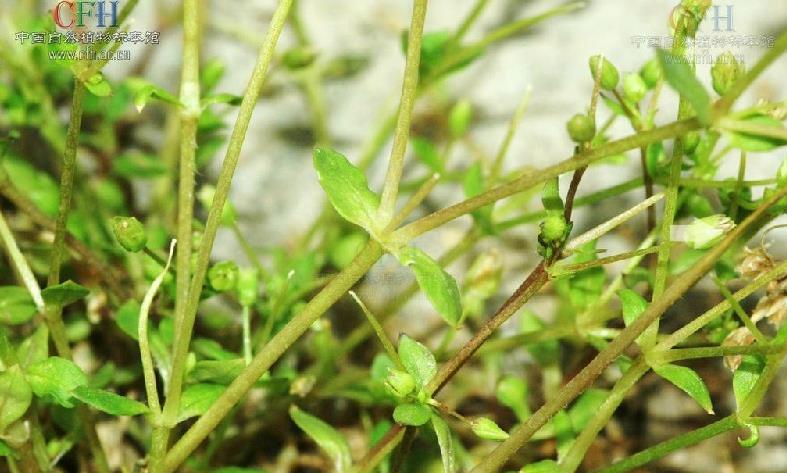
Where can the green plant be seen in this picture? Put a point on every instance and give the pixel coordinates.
(194, 366)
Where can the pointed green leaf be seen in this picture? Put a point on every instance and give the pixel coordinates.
(109, 402)
(55, 379)
(746, 376)
(417, 360)
(487, 429)
(446, 442)
(347, 188)
(681, 77)
(757, 143)
(633, 306)
(330, 440)
(144, 91)
(688, 381)
(197, 398)
(15, 396)
(440, 287)
(16, 305)
(586, 407)
(412, 414)
(64, 293)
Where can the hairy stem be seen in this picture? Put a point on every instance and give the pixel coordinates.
(183, 337)
(406, 104)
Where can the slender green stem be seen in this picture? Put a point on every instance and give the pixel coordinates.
(414, 201)
(698, 322)
(379, 331)
(406, 104)
(513, 125)
(19, 263)
(676, 443)
(613, 223)
(469, 20)
(504, 32)
(183, 336)
(494, 461)
(146, 357)
(756, 129)
(54, 316)
(530, 180)
(573, 458)
(189, 116)
(678, 354)
(271, 352)
(557, 271)
(741, 313)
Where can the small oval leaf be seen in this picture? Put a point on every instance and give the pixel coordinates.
(412, 414)
(689, 382)
(417, 360)
(440, 287)
(347, 188)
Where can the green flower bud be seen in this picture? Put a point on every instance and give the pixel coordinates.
(130, 233)
(298, 58)
(460, 117)
(553, 228)
(581, 128)
(725, 72)
(651, 73)
(223, 276)
(487, 429)
(248, 286)
(400, 383)
(705, 232)
(634, 88)
(609, 73)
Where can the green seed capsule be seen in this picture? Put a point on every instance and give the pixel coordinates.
(651, 73)
(223, 276)
(400, 383)
(460, 117)
(581, 128)
(725, 72)
(609, 73)
(130, 233)
(553, 228)
(634, 88)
